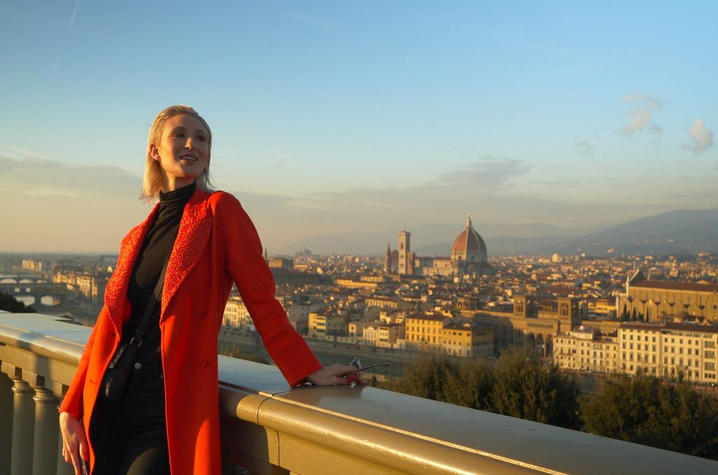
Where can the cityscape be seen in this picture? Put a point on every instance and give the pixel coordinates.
(602, 315)
(505, 215)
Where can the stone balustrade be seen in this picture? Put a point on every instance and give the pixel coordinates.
(269, 428)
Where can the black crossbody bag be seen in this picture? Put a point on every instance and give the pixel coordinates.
(118, 372)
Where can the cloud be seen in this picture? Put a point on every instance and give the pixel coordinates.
(72, 17)
(54, 206)
(641, 114)
(701, 137)
(584, 147)
(285, 158)
(486, 174)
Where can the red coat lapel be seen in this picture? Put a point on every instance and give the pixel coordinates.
(116, 291)
(192, 237)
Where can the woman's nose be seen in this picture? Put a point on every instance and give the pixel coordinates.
(189, 144)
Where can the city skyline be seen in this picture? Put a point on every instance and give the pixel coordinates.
(352, 119)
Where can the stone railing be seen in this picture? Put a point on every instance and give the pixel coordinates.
(268, 428)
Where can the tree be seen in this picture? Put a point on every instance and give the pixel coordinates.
(10, 304)
(524, 388)
(427, 377)
(518, 386)
(646, 410)
(470, 386)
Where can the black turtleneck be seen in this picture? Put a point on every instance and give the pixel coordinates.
(155, 250)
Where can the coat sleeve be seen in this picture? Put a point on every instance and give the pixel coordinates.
(256, 285)
(72, 402)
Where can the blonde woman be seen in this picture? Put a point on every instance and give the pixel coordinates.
(167, 420)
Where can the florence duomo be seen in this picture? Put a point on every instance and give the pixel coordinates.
(467, 256)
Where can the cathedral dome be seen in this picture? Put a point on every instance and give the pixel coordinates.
(468, 245)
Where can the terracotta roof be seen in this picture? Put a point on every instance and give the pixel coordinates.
(469, 239)
(675, 285)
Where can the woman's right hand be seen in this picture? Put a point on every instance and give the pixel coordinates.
(74, 441)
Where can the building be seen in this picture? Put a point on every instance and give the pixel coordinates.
(660, 300)
(531, 319)
(586, 349)
(668, 349)
(356, 284)
(326, 323)
(236, 314)
(383, 335)
(298, 313)
(389, 334)
(356, 327)
(467, 256)
(467, 339)
(423, 331)
(468, 252)
(405, 265)
(280, 263)
(90, 285)
(382, 302)
(34, 265)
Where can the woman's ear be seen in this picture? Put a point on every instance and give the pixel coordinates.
(154, 152)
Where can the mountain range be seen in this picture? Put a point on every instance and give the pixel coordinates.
(682, 232)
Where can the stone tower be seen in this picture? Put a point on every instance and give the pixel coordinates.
(404, 266)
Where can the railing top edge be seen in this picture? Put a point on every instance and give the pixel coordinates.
(47, 335)
(484, 432)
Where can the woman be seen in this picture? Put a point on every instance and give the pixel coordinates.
(168, 418)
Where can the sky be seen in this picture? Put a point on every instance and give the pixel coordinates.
(350, 121)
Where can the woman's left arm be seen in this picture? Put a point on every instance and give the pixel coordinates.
(254, 280)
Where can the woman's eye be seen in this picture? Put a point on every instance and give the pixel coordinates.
(201, 138)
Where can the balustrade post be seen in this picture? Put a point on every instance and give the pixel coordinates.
(46, 431)
(5, 422)
(22, 428)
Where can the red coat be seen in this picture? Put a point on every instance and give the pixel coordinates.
(216, 245)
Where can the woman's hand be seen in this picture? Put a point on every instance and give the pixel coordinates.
(74, 441)
(335, 374)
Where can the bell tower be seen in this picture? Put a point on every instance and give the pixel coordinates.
(404, 249)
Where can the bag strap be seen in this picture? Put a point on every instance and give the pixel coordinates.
(151, 305)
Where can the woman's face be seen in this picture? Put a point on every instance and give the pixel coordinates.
(182, 152)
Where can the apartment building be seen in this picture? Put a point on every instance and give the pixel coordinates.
(467, 339)
(236, 314)
(425, 330)
(669, 349)
(586, 349)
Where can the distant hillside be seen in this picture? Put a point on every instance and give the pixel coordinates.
(675, 232)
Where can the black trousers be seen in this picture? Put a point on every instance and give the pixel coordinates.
(129, 436)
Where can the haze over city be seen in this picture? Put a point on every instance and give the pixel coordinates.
(346, 120)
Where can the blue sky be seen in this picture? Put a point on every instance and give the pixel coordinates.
(348, 117)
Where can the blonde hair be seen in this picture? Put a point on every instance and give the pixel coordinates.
(152, 180)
